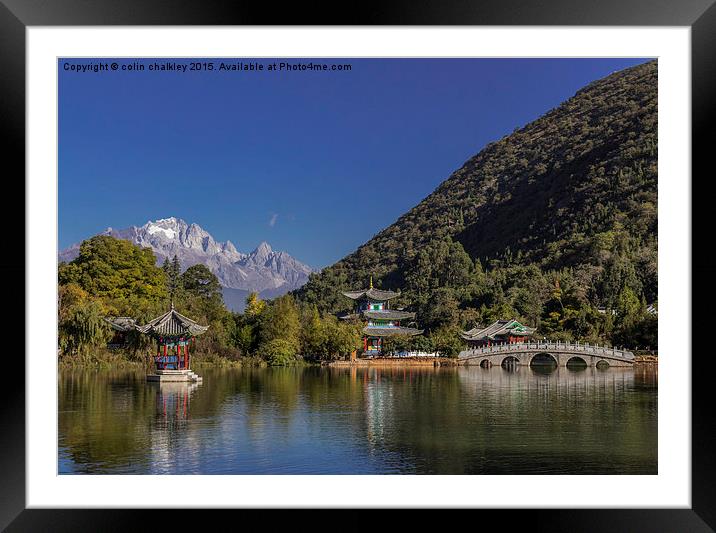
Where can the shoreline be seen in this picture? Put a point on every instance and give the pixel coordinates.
(397, 361)
(639, 360)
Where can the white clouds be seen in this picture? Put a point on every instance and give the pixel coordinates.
(272, 221)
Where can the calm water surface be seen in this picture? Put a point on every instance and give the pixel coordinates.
(459, 420)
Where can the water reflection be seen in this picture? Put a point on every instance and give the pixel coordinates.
(173, 401)
(452, 420)
(169, 440)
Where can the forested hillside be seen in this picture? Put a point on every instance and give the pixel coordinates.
(548, 224)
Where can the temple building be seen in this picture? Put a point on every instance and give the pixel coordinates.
(121, 326)
(173, 332)
(373, 306)
(501, 331)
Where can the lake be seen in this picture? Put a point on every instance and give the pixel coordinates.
(401, 420)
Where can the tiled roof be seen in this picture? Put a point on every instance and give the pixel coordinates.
(172, 324)
(500, 327)
(388, 314)
(371, 294)
(121, 323)
(387, 332)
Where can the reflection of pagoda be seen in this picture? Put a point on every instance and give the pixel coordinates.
(172, 447)
(372, 306)
(173, 333)
(172, 402)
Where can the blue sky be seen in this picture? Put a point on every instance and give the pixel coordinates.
(315, 163)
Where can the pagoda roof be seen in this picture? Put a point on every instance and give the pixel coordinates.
(388, 332)
(172, 324)
(372, 294)
(121, 323)
(496, 329)
(388, 314)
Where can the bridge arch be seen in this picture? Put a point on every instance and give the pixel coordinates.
(544, 359)
(576, 363)
(510, 362)
(485, 363)
(602, 364)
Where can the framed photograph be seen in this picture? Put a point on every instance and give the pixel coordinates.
(427, 260)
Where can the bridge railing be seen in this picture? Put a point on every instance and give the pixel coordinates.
(573, 347)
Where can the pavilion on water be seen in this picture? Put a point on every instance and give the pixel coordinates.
(501, 331)
(174, 333)
(373, 306)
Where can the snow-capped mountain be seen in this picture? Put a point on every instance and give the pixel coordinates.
(262, 270)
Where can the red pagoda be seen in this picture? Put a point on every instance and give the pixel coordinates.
(373, 306)
(173, 332)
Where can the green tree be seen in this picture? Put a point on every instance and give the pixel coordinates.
(443, 264)
(281, 320)
(166, 268)
(629, 309)
(254, 306)
(244, 338)
(68, 298)
(247, 325)
(313, 333)
(278, 352)
(338, 338)
(172, 271)
(176, 272)
(113, 268)
(630, 319)
(200, 282)
(441, 309)
(619, 274)
(83, 328)
(447, 341)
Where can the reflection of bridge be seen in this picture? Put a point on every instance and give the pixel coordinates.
(524, 353)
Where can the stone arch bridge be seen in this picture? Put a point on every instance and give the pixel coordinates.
(524, 353)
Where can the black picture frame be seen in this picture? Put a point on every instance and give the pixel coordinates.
(699, 15)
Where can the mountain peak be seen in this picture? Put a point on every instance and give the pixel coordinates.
(229, 247)
(263, 249)
(165, 222)
(164, 227)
